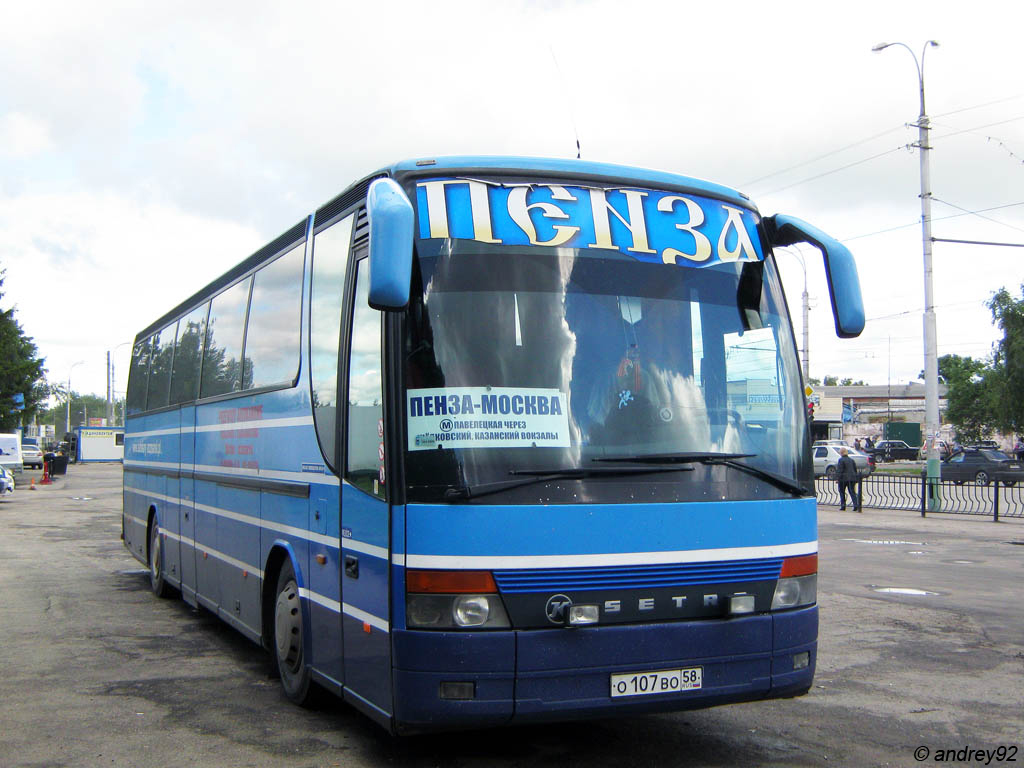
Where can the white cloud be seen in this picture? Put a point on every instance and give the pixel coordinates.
(23, 135)
(144, 149)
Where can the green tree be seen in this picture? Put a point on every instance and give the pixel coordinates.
(21, 372)
(971, 395)
(83, 407)
(1008, 361)
(831, 381)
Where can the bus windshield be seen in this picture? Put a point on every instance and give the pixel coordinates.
(532, 360)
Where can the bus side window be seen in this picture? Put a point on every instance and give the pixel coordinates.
(222, 357)
(365, 392)
(162, 352)
(188, 355)
(272, 335)
(330, 259)
(138, 378)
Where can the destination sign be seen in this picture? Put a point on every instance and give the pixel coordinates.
(648, 225)
(486, 417)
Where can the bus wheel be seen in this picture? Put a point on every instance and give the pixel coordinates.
(157, 582)
(289, 637)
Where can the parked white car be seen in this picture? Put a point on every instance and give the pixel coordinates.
(31, 456)
(826, 457)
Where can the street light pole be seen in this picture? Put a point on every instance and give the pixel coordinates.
(931, 360)
(111, 394)
(806, 316)
(67, 421)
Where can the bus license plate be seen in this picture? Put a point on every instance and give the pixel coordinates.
(662, 681)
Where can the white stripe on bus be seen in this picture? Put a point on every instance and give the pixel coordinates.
(502, 562)
(309, 594)
(346, 608)
(313, 478)
(318, 538)
(296, 421)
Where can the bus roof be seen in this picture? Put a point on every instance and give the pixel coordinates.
(577, 169)
(580, 170)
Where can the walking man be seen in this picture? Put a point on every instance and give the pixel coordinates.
(846, 474)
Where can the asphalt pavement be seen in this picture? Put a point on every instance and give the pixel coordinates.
(921, 648)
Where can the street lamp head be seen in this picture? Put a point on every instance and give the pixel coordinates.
(933, 43)
(882, 47)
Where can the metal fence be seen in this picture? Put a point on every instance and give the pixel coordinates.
(883, 491)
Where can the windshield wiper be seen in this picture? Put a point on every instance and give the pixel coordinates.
(531, 476)
(722, 459)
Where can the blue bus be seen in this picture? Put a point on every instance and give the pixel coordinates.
(495, 440)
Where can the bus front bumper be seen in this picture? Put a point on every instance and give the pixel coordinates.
(476, 679)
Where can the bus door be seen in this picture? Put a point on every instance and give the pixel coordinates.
(365, 511)
(188, 502)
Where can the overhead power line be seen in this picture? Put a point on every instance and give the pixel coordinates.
(980, 106)
(978, 128)
(937, 218)
(822, 157)
(976, 242)
(834, 170)
(977, 213)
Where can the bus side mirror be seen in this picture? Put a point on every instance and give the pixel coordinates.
(390, 216)
(840, 268)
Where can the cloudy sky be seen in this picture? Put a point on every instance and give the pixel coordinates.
(145, 148)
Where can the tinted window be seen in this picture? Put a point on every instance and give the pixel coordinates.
(162, 354)
(188, 355)
(330, 259)
(138, 375)
(365, 393)
(272, 336)
(222, 359)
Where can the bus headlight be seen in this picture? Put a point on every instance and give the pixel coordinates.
(471, 610)
(453, 600)
(425, 611)
(795, 591)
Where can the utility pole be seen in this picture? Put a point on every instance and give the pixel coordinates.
(931, 360)
(807, 335)
(110, 404)
(806, 315)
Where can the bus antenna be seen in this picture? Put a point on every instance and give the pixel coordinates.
(572, 114)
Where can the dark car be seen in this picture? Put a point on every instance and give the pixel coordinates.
(982, 465)
(890, 450)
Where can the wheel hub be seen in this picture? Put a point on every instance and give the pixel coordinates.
(288, 627)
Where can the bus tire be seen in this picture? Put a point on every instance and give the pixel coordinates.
(157, 582)
(289, 638)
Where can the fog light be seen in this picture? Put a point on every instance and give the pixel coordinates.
(462, 690)
(801, 660)
(741, 604)
(583, 614)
